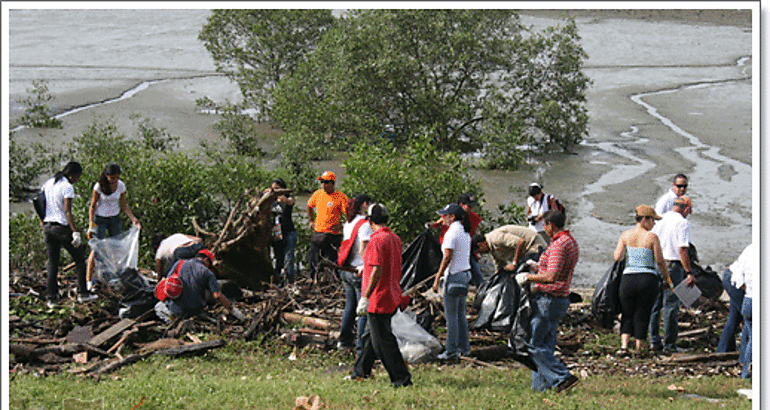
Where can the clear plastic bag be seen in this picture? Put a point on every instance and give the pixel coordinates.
(115, 256)
(414, 342)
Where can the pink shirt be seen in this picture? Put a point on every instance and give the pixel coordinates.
(384, 250)
(561, 256)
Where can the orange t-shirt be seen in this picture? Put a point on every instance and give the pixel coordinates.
(329, 208)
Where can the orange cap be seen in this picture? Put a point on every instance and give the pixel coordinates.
(327, 176)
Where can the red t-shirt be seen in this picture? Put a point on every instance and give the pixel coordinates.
(561, 256)
(384, 250)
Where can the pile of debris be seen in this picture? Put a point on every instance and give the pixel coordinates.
(91, 339)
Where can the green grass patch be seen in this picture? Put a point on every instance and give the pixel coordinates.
(252, 376)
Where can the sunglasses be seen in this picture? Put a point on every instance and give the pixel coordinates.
(327, 181)
(681, 186)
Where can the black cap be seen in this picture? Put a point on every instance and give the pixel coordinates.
(377, 213)
(468, 199)
(451, 209)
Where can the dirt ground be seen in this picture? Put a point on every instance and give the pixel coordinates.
(739, 18)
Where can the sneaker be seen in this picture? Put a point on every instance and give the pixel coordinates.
(567, 384)
(673, 349)
(51, 303)
(91, 285)
(87, 297)
(447, 356)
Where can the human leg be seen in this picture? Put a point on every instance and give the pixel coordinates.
(476, 277)
(452, 324)
(290, 264)
(351, 302)
(746, 335)
(546, 313)
(734, 319)
(279, 254)
(671, 308)
(386, 347)
(53, 250)
(80, 261)
(365, 359)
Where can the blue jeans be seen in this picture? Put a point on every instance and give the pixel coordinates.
(727, 340)
(111, 224)
(476, 277)
(745, 354)
(547, 311)
(352, 283)
(457, 336)
(667, 301)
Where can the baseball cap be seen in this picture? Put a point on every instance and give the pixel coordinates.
(327, 176)
(468, 199)
(207, 253)
(451, 209)
(646, 210)
(377, 213)
(683, 200)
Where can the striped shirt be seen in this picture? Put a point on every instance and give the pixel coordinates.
(560, 257)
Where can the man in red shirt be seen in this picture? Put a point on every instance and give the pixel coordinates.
(325, 208)
(550, 291)
(380, 297)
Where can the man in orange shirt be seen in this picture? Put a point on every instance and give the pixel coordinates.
(325, 208)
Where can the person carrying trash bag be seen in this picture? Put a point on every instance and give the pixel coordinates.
(549, 296)
(183, 292)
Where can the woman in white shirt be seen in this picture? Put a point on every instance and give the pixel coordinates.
(456, 264)
(108, 198)
(59, 230)
(356, 216)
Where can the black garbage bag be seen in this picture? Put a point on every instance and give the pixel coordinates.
(707, 281)
(420, 260)
(521, 331)
(496, 301)
(605, 302)
(138, 294)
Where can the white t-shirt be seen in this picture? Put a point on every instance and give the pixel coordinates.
(364, 233)
(536, 208)
(168, 246)
(55, 193)
(745, 269)
(109, 205)
(673, 230)
(665, 203)
(459, 242)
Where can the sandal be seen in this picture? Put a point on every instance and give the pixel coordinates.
(622, 353)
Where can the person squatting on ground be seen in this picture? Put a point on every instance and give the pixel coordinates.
(744, 272)
(284, 235)
(639, 283)
(59, 230)
(509, 245)
(356, 222)
(678, 188)
(673, 231)
(168, 250)
(380, 297)
(549, 291)
(109, 197)
(538, 203)
(456, 249)
(324, 209)
(197, 278)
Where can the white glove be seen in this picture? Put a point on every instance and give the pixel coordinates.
(363, 307)
(76, 239)
(360, 270)
(521, 279)
(92, 232)
(238, 314)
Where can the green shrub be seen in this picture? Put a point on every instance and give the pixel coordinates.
(26, 246)
(36, 112)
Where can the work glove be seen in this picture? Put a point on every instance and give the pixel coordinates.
(76, 239)
(363, 307)
(238, 314)
(91, 230)
(521, 278)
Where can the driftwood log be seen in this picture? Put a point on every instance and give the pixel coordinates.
(242, 247)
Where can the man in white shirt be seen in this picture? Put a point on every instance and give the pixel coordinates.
(170, 249)
(678, 188)
(673, 230)
(745, 271)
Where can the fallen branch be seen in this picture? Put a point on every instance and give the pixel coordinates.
(305, 320)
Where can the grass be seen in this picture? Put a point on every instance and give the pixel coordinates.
(249, 376)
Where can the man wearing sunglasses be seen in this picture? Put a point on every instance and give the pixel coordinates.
(678, 189)
(325, 208)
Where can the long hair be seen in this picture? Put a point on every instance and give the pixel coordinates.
(465, 219)
(354, 206)
(72, 168)
(104, 183)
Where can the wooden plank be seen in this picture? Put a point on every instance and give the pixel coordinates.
(195, 348)
(110, 333)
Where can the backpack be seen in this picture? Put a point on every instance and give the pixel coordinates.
(347, 244)
(38, 201)
(554, 203)
(170, 287)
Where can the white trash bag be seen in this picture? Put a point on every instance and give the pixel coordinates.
(115, 256)
(414, 342)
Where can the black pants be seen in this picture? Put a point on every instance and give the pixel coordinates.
(324, 245)
(56, 236)
(638, 292)
(380, 343)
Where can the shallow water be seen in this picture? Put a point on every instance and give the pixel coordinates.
(665, 98)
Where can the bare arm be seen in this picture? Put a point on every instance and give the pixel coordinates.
(658, 251)
(127, 211)
(376, 275)
(92, 207)
(223, 300)
(684, 256)
(311, 217)
(620, 249)
(68, 214)
(444, 264)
